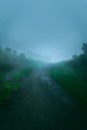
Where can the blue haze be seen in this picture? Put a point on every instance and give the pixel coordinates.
(50, 30)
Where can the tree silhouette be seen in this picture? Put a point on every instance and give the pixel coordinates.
(84, 48)
(80, 61)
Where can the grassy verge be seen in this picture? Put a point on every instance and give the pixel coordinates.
(7, 87)
(21, 74)
(74, 81)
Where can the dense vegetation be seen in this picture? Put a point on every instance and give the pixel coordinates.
(72, 75)
(13, 68)
(80, 61)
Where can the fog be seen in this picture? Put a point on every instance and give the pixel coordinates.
(48, 30)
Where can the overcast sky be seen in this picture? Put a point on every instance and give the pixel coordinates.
(52, 30)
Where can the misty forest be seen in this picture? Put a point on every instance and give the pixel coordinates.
(43, 68)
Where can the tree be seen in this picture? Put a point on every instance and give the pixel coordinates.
(75, 56)
(15, 53)
(0, 50)
(7, 49)
(84, 48)
(22, 55)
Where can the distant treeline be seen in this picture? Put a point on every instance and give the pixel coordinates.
(10, 59)
(79, 61)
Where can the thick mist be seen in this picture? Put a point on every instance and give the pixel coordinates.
(49, 30)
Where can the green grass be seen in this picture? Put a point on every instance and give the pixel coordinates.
(21, 74)
(73, 81)
(7, 87)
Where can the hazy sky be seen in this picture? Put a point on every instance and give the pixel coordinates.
(51, 30)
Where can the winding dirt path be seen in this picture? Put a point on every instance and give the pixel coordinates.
(40, 104)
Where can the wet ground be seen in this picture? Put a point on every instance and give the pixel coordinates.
(40, 104)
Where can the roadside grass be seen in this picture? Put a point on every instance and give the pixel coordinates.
(21, 74)
(7, 87)
(73, 81)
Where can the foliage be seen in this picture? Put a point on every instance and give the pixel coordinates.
(72, 75)
(79, 61)
(13, 68)
(75, 82)
(6, 89)
(11, 60)
(84, 48)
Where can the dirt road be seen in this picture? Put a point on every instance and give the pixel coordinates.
(40, 104)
